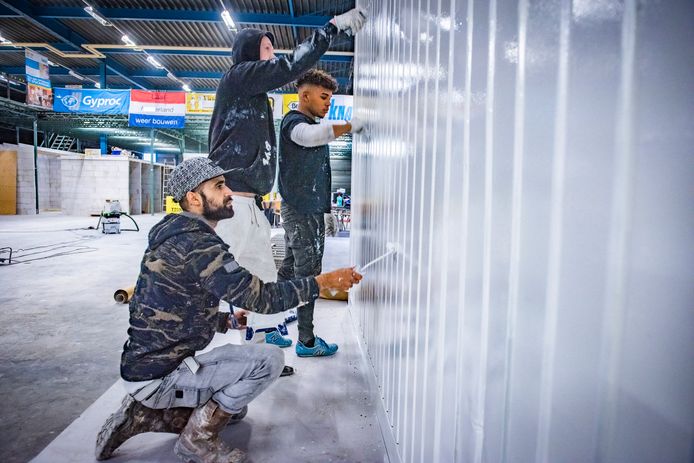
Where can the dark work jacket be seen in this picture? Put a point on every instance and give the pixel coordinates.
(304, 180)
(186, 270)
(242, 132)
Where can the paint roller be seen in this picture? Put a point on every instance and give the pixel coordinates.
(123, 296)
(391, 249)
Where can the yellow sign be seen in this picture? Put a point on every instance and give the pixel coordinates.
(290, 101)
(200, 103)
(172, 207)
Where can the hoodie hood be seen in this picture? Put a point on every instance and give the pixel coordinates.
(175, 224)
(247, 45)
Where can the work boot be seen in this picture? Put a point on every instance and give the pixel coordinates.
(133, 418)
(237, 417)
(200, 443)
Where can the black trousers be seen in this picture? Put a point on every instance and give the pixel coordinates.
(304, 239)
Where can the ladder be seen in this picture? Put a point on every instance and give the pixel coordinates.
(166, 174)
(62, 142)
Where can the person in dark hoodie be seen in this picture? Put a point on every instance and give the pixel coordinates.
(185, 272)
(242, 140)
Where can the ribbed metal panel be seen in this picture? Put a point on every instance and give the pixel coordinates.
(42, 3)
(137, 60)
(259, 6)
(163, 4)
(60, 81)
(531, 164)
(322, 7)
(173, 33)
(14, 58)
(117, 81)
(93, 31)
(72, 62)
(22, 30)
(207, 84)
(197, 63)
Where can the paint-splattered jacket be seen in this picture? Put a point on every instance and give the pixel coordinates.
(185, 271)
(242, 131)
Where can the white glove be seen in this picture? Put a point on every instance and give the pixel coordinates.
(357, 125)
(351, 22)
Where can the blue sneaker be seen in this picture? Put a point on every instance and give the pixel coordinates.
(275, 338)
(320, 349)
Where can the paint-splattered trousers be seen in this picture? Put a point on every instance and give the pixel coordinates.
(304, 238)
(232, 375)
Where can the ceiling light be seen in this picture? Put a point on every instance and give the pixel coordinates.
(153, 61)
(96, 16)
(126, 40)
(186, 88)
(424, 37)
(51, 63)
(171, 76)
(228, 21)
(4, 41)
(75, 75)
(97, 85)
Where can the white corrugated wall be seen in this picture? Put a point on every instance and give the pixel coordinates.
(532, 161)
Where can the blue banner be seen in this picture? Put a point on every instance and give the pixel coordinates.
(91, 101)
(156, 121)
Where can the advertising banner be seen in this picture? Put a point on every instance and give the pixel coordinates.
(199, 103)
(341, 106)
(91, 101)
(290, 101)
(159, 110)
(203, 103)
(39, 91)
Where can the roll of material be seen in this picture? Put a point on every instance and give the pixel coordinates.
(333, 295)
(124, 295)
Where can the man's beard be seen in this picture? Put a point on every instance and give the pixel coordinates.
(216, 213)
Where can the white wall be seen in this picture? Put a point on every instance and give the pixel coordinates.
(87, 182)
(49, 178)
(532, 160)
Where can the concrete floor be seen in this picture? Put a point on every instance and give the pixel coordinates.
(61, 335)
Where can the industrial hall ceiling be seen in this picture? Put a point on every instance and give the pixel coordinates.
(150, 45)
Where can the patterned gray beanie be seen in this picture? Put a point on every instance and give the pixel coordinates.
(191, 173)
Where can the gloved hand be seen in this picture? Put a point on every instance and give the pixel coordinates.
(357, 125)
(350, 22)
(340, 279)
